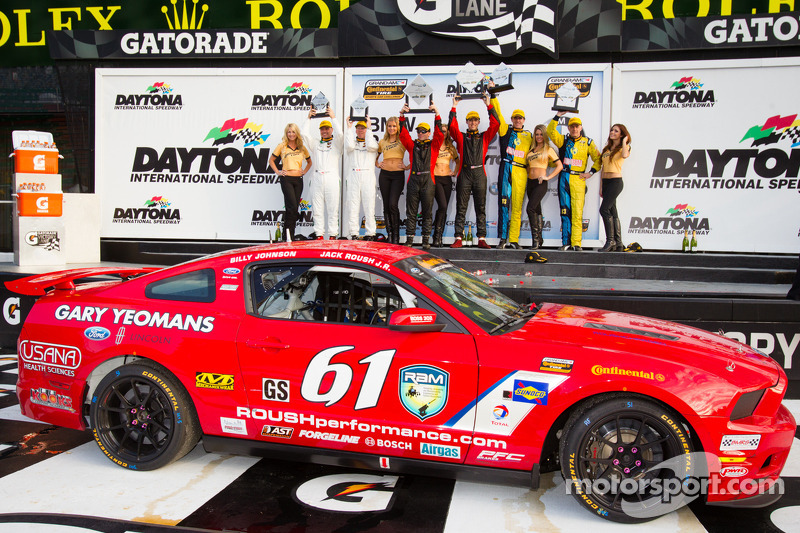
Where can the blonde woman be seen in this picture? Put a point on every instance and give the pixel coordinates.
(444, 172)
(392, 177)
(539, 158)
(295, 163)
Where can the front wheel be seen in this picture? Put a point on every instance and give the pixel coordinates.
(626, 459)
(142, 417)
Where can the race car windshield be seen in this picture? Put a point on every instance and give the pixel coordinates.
(489, 309)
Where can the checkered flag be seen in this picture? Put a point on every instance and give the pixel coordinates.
(792, 133)
(53, 244)
(247, 135)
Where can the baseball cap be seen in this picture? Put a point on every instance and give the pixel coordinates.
(361, 123)
(325, 124)
(423, 126)
(574, 120)
(473, 114)
(518, 113)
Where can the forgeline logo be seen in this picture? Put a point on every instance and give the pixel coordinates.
(774, 130)
(156, 210)
(237, 130)
(295, 96)
(684, 92)
(158, 96)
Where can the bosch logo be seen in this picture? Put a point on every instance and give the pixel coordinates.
(96, 333)
(231, 271)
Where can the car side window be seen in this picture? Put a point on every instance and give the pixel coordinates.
(327, 294)
(197, 286)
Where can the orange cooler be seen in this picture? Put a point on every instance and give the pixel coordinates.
(36, 161)
(39, 204)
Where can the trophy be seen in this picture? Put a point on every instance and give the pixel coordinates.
(320, 104)
(420, 94)
(501, 76)
(566, 98)
(470, 82)
(359, 109)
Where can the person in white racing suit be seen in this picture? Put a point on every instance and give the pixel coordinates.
(362, 150)
(326, 185)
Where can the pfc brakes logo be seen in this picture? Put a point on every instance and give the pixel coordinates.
(675, 221)
(46, 239)
(349, 493)
(503, 28)
(11, 311)
(157, 96)
(423, 390)
(295, 96)
(156, 210)
(687, 91)
(771, 162)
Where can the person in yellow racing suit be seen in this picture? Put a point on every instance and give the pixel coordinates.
(574, 152)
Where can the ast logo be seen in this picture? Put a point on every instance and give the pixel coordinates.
(423, 390)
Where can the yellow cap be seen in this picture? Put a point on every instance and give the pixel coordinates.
(574, 120)
(423, 126)
(518, 113)
(325, 124)
(473, 114)
(361, 123)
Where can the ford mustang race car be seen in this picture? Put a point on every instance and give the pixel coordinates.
(383, 357)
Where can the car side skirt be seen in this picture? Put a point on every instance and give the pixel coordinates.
(366, 461)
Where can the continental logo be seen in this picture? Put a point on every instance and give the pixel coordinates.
(599, 370)
(385, 89)
(207, 380)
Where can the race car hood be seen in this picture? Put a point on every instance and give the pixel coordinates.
(632, 335)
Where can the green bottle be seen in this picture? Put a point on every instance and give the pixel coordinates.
(693, 244)
(685, 245)
(469, 235)
(278, 234)
(269, 237)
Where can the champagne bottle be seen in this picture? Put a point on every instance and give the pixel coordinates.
(685, 245)
(278, 234)
(269, 237)
(693, 244)
(469, 235)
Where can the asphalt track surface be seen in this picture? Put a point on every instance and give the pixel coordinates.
(57, 480)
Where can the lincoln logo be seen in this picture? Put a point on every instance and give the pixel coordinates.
(55, 355)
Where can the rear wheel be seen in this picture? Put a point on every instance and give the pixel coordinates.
(626, 458)
(142, 417)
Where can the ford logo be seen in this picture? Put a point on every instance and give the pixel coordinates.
(231, 271)
(96, 333)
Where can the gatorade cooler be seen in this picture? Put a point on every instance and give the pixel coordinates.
(39, 204)
(34, 152)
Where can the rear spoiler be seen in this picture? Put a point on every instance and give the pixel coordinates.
(38, 284)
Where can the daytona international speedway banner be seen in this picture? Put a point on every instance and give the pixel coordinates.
(715, 151)
(184, 153)
(533, 92)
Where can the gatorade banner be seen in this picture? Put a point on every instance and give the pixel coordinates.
(533, 93)
(184, 154)
(715, 151)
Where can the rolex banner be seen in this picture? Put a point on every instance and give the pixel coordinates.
(184, 154)
(533, 93)
(710, 155)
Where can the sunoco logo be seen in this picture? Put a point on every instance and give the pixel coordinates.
(685, 92)
(295, 96)
(157, 210)
(676, 220)
(158, 96)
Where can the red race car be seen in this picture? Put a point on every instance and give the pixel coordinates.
(379, 356)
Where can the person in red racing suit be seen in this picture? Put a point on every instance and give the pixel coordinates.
(421, 187)
(472, 148)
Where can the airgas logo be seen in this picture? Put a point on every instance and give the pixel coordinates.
(676, 220)
(156, 210)
(423, 390)
(157, 96)
(686, 91)
(295, 96)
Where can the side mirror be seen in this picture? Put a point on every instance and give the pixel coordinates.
(414, 319)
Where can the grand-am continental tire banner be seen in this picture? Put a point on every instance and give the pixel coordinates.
(184, 153)
(715, 151)
(532, 93)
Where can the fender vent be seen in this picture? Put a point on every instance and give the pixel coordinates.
(630, 331)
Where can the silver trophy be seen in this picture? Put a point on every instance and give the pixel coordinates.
(420, 94)
(566, 98)
(359, 109)
(320, 104)
(501, 76)
(470, 82)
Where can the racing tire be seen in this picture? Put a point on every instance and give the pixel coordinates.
(625, 458)
(142, 418)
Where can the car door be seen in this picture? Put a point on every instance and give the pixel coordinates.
(322, 368)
